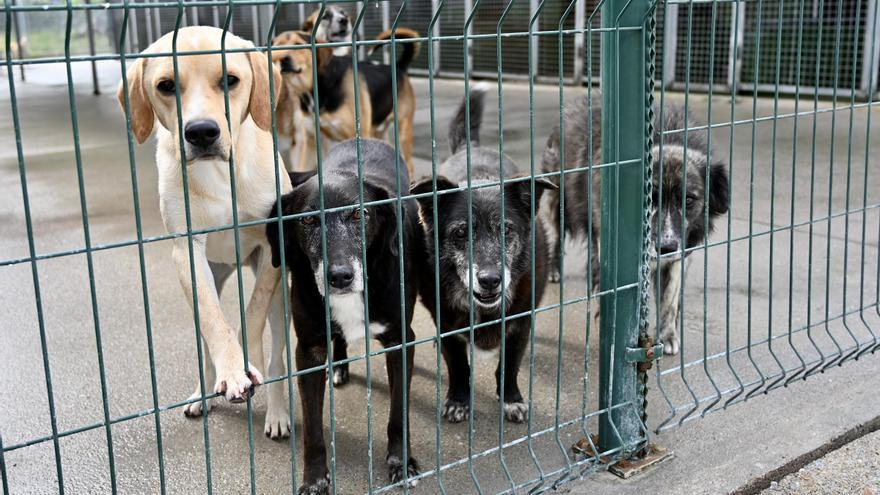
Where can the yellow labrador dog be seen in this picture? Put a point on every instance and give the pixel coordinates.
(209, 143)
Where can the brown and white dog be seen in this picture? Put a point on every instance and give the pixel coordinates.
(334, 27)
(336, 95)
(209, 143)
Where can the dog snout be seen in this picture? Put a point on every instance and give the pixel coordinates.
(202, 133)
(343, 21)
(489, 280)
(287, 66)
(668, 244)
(340, 275)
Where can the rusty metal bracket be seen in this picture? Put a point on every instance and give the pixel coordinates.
(654, 455)
(650, 456)
(645, 354)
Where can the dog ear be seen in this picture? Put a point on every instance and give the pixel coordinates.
(719, 194)
(141, 111)
(309, 23)
(522, 189)
(298, 178)
(259, 106)
(386, 215)
(426, 203)
(272, 229)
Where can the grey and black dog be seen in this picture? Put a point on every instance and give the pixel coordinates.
(675, 226)
(343, 289)
(488, 276)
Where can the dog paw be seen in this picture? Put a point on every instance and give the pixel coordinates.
(396, 471)
(277, 423)
(194, 410)
(554, 276)
(340, 375)
(237, 386)
(516, 412)
(320, 487)
(670, 343)
(455, 412)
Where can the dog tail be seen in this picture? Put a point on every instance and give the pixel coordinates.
(458, 125)
(410, 50)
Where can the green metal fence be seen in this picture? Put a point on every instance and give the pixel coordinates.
(801, 181)
(786, 287)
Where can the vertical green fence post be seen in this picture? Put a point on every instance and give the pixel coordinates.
(623, 141)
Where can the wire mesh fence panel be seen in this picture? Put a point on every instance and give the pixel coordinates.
(786, 287)
(703, 32)
(115, 259)
(395, 275)
(818, 27)
(484, 51)
(451, 21)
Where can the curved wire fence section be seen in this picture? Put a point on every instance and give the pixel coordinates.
(738, 235)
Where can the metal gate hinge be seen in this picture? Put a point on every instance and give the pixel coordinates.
(643, 354)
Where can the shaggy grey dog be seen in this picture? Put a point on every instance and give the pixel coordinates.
(690, 192)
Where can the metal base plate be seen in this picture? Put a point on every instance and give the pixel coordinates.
(656, 454)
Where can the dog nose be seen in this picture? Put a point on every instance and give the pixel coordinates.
(489, 279)
(341, 276)
(202, 133)
(668, 245)
(343, 21)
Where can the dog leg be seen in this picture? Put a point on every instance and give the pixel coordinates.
(397, 472)
(231, 379)
(194, 410)
(221, 273)
(457, 405)
(405, 132)
(265, 287)
(316, 477)
(277, 414)
(670, 306)
(307, 149)
(340, 353)
(549, 210)
(515, 409)
(303, 148)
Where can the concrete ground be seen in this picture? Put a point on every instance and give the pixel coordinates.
(746, 291)
(853, 468)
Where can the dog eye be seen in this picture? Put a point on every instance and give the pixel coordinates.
(508, 230)
(690, 201)
(356, 214)
(460, 233)
(309, 220)
(231, 81)
(166, 87)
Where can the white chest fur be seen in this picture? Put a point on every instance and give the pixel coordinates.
(210, 192)
(347, 310)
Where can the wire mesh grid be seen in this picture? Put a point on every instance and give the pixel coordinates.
(800, 238)
(789, 289)
(137, 437)
(823, 28)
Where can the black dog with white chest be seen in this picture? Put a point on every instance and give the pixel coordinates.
(495, 274)
(343, 287)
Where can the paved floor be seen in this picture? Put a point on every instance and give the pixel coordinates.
(853, 468)
(833, 267)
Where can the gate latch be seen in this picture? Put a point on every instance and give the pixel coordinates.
(645, 354)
